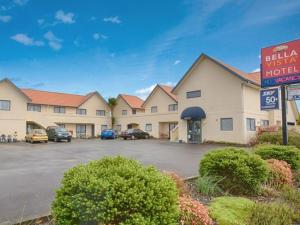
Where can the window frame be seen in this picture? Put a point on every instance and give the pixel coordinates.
(193, 94)
(147, 125)
(264, 123)
(60, 109)
(222, 125)
(154, 107)
(99, 112)
(9, 105)
(124, 112)
(79, 111)
(250, 128)
(134, 112)
(173, 107)
(34, 107)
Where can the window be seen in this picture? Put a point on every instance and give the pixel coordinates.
(264, 123)
(80, 130)
(251, 124)
(291, 123)
(134, 111)
(148, 127)
(103, 127)
(100, 112)
(226, 124)
(81, 111)
(124, 112)
(193, 94)
(59, 109)
(153, 109)
(173, 107)
(119, 127)
(33, 107)
(5, 105)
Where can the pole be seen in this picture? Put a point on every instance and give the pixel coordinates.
(284, 121)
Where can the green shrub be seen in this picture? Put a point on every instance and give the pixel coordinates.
(276, 138)
(116, 191)
(270, 214)
(291, 196)
(208, 185)
(290, 154)
(242, 172)
(230, 210)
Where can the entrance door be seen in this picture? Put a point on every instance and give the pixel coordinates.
(194, 131)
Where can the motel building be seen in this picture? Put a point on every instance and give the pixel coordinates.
(24, 109)
(217, 102)
(157, 115)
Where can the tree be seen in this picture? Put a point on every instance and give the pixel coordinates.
(112, 103)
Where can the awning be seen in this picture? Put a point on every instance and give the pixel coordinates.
(193, 113)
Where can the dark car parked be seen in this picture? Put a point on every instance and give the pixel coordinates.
(134, 134)
(58, 134)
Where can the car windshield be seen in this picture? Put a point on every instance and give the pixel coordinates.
(39, 131)
(130, 131)
(61, 129)
(107, 130)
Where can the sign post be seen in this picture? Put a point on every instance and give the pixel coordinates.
(280, 66)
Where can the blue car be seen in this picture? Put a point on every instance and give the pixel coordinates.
(108, 134)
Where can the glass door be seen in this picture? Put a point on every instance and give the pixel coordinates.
(194, 131)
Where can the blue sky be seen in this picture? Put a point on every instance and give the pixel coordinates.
(128, 46)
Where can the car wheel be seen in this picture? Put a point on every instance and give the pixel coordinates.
(69, 140)
(146, 136)
(55, 140)
(31, 141)
(125, 138)
(46, 141)
(132, 137)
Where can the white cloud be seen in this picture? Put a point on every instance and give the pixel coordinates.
(26, 40)
(98, 36)
(5, 19)
(53, 41)
(112, 19)
(63, 17)
(256, 70)
(21, 2)
(177, 62)
(143, 93)
(40, 21)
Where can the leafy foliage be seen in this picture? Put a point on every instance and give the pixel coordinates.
(280, 173)
(230, 210)
(208, 185)
(115, 191)
(276, 138)
(193, 212)
(291, 196)
(242, 172)
(290, 154)
(270, 214)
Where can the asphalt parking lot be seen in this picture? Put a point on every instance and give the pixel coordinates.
(30, 173)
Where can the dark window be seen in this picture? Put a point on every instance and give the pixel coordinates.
(124, 112)
(251, 124)
(5, 105)
(59, 109)
(193, 94)
(100, 112)
(173, 107)
(33, 107)
(81, 130)
(291, 123)
(134, 111)
(153, 109)
(226, 124)
(81, 111)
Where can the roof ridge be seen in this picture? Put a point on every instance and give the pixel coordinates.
(54, 92)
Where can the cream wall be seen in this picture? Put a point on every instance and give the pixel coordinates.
(221, 97)
(16, 118)
(161, 119)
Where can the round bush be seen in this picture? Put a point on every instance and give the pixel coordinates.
(242, 172)
(193, 212)
(280, 173)
(290, 154)
(115, 191)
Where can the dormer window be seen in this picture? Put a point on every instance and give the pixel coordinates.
(153, 109)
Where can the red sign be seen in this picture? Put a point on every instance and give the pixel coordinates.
(280, 64)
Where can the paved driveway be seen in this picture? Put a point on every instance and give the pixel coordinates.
(30, 173)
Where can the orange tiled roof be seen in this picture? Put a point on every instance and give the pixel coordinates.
(54, 98)
(168, 90)
(133, 101)
(255, 77)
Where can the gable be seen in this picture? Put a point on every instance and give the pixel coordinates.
(158, 97)
(10, 89)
